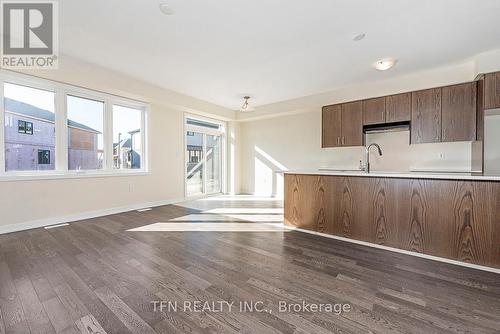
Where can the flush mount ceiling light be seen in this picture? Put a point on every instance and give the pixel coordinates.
(385, 64)
(166, 9)
(359, 37)
(246, 105)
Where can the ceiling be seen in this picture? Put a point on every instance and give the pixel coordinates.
(273, 50)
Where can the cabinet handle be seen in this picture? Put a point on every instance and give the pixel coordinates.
(343, 140)
(338, 140)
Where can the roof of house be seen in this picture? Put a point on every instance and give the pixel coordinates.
(29, 110)
(126, 143)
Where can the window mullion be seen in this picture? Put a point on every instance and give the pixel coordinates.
(204, 178)
(2, 131)
(108, 135)
(144, 142)
(61, 116)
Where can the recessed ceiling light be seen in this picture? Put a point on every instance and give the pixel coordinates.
(359, 37)
(166, 9)
(385, 64)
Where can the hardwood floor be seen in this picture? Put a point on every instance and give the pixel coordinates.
(97, 276)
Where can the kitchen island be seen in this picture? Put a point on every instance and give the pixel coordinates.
(454, 216)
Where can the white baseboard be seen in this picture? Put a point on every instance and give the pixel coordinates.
(397, 250)
(81, 216)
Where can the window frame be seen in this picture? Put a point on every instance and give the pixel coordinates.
(144, 137)
(61, 92)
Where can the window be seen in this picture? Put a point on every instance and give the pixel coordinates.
(127, 138)
(50, 129)
(24, 127)
(43, 157)
(21, 126)
(29, 128)
(85, 133)
(22, 153)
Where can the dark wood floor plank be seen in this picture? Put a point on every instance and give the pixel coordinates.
(72, 304)
(36, 317)
(126, 315)
(89, 325)
(87, 296)
(12, 311)
(59, 317)
(2, 324)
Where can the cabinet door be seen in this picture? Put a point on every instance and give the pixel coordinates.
(426, 116)
(352, 124)
(331, 123)
(492, 91)
(374, 111)
(398, 108)
(459, 112)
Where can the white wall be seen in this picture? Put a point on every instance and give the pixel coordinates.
(41, 200)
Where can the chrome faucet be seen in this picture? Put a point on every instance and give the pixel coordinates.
(367, 167)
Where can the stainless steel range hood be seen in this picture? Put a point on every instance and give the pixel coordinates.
(387, 127)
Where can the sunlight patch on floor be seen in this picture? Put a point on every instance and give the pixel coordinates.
(240, 198)
(245, 211)
(210, 227)
(201, 217)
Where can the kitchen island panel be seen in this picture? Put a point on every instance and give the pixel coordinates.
(455, 219)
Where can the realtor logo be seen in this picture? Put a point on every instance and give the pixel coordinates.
(29, 34)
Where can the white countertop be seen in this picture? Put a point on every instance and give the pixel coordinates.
(408, 175)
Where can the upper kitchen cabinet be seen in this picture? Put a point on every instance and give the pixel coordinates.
(331, 125)
(352, 124)
(459, 104)
(426, 116)
(492, 91)
(374, 111)
(398, 108)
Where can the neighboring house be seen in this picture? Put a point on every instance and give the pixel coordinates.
(195, 153)
(127, 151)
(30, 140)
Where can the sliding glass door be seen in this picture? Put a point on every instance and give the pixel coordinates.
(204, 154)
(213, 164)
(195, 163)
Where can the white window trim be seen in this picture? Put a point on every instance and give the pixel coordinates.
(61, 91)
(223, 133)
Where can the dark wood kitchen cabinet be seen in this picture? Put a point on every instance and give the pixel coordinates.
(398, 108)
(445, 114)
(426, 116)
(459, 104)
(331, 124)
(374, 111)
(352, 124)
(492, 91)
(342, 125)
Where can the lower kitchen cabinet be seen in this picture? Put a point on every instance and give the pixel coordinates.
(455, 219)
